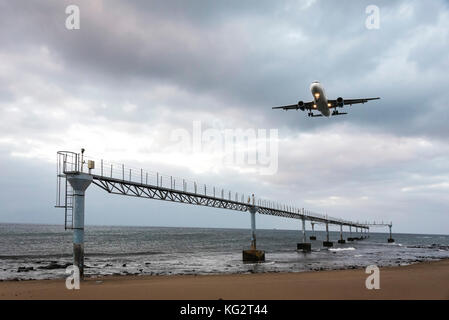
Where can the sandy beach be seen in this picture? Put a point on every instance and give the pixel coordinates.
(427, 280)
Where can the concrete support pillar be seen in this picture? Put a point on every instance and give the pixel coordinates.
(79, 183)
(304, 246)
(341, 235)
(356, 234)
(304, 230)
(390, 239)
(253, 229)
(253, 254)
(327, 243)
(313, 237)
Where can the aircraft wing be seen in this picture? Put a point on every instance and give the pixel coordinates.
(306, 105)
(350, 102)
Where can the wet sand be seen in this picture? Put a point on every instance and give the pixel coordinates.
(427, 280)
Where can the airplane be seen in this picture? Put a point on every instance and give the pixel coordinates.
(322, 104)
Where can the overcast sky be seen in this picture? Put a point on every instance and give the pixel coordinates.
(137, 72)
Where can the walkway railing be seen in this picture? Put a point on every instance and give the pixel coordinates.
(126, 180)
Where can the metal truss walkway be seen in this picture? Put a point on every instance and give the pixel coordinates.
(122, 180)
(75, 172)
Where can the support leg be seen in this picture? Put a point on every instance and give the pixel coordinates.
(253, 254)
(253, 230)
(79, 183)
(390, 239)
(304, 246)
(313, 237)
(341, 235)
(327, 243)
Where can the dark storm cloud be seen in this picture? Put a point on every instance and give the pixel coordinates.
(137, 70)
(255, 55)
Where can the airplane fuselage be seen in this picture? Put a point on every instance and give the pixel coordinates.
(320, 99)
(322, 104)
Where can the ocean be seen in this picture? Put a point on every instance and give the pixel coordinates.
(44, 251)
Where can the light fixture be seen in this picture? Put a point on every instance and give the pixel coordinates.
(317, 95)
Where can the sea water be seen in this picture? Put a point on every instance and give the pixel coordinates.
(44, 251)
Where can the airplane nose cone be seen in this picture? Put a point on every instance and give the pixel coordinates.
(314, 86)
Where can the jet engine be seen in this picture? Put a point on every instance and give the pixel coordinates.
(340, 102)
(301, 105)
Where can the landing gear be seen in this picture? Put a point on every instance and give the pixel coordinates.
(336, 113)
(310, 114)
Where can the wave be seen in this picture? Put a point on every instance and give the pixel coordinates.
(342, 249)
(86, 254)
(431, 246)
(34, 256)
(124, 254)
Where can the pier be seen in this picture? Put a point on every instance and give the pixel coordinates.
(76, 172)
(383, 224)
